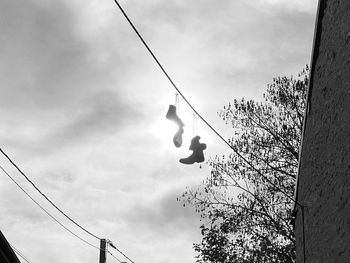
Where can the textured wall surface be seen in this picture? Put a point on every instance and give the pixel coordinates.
(324, 175)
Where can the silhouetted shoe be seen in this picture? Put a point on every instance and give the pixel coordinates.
(178, 137)
(195, 144)
(197, 156)
(171, 115)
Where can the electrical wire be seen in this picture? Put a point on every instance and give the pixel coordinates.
(114, 257)
(29, 261)
(194, 110)
(55, 219)
(36, 188)
(124, 255)
(48, 213)
(23, 257)
(20, 254)
(113, 246)
(26, 177)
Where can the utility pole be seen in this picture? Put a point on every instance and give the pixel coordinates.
(103, 250)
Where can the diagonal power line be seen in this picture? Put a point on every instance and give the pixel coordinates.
(194, 110)
(19, 253)
(49, 200)
(42, 208)
(57, 221)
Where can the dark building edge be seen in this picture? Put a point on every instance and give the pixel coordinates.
(7, 255)
(314, 56)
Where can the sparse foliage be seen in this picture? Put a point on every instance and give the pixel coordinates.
(246, 218)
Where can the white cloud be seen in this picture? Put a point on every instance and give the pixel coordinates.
(307, 6)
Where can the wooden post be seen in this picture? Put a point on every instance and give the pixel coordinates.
(103, 251)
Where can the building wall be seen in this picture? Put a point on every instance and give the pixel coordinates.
(324, 172)
(7, 255)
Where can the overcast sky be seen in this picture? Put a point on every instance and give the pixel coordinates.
(82, 112)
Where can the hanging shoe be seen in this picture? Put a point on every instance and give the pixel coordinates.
(195, 144)
(197, 156)
(178, 137)
(171, 115)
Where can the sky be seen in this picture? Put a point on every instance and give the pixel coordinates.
(83, 105)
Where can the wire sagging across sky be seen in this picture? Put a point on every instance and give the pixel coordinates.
(194, 110)
(46, 212)
(19, 253)
(57, 221)
(49, 200)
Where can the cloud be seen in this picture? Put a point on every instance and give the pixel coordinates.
(38, 71)
(55, 89)
(161, 221)
(101, 115)
(46, 64)
(307, 6)
(93, 119)
(163, 214)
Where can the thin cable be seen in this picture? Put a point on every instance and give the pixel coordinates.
(124, 255)
(108, 242)
(195, 125)
(20, 254)
(113, 246)
(42, 208)
(194, 110)
(18, 169)
(63, 213)
(177, 103)
(114, 257)
(23, 257)
(56, 220)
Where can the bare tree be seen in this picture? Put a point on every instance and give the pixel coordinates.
(244, 203)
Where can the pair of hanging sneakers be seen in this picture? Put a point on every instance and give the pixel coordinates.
(197, 155)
